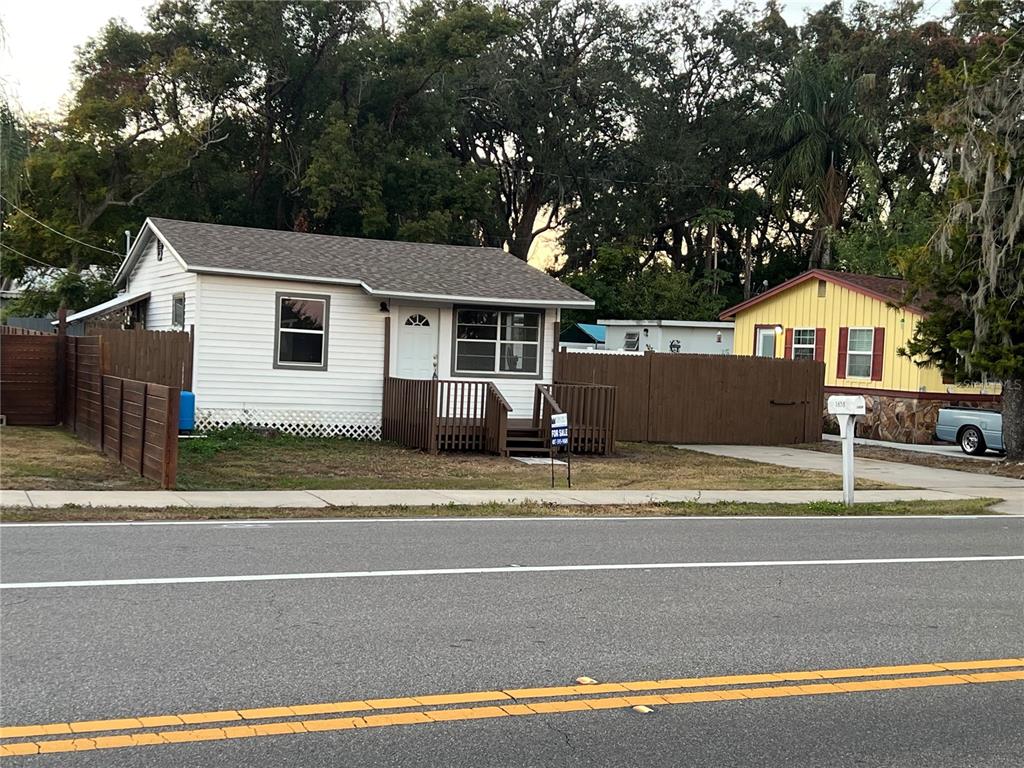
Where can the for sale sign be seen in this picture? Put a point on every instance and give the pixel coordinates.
(560, 429)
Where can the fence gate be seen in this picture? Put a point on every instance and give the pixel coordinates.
(28, 377)
(682, 398)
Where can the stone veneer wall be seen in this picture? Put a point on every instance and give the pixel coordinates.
(903, 419)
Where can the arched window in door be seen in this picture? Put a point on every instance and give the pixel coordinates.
(417, 320)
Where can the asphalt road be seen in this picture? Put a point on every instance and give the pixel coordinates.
(104, 651)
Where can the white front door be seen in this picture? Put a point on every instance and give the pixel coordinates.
(417, 344)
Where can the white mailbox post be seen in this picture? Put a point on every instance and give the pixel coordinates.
(846, 409)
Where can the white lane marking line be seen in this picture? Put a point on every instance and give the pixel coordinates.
(497, 569)
(516, 519)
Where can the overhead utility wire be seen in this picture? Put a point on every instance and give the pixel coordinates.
(58, 232)
(31, 258)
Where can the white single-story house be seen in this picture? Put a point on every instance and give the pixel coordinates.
(695, 337)
(289, 327)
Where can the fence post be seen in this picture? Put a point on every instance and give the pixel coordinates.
(170, 463)
(62, 361)
(189, 358)
(74, 391)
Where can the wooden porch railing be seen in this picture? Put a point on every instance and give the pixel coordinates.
(443, 415)
(460, 415)
(496, 422)
(409, 413)
(591, 412)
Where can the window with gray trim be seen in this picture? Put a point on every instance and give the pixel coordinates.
(301, 331)
(497, 341)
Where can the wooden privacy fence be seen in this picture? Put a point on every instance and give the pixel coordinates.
(134, 422)
(591, 413)
(161, 357)
(11, 330)
(28, 377)
(681, 398)
(442, 415)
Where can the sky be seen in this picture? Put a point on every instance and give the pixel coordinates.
(40, 37)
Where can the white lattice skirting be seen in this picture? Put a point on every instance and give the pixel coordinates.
(359, 426)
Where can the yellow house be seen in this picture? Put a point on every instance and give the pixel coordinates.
(850, 322)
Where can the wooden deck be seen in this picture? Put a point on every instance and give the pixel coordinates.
(442, 415)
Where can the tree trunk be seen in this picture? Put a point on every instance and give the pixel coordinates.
(817, 243)
(1013, 419)
(522, 230)
(747, 263)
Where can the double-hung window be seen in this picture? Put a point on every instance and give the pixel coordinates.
(860, 345)
(497, 341)
(301, 340)
(803, 343)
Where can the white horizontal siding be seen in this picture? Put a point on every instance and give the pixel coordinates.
(163, 279)
(235, 350)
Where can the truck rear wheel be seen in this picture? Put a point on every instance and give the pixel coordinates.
(971, 441)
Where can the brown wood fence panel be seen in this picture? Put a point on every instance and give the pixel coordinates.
(28, 378)
(138, 424)
(134, 422)
(10, 330)
(680, 398)
(159, 357)
(625, 372)
(85, 381)
(113, 417)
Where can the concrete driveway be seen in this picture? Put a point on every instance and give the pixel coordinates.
(939, 449)
(974, 484)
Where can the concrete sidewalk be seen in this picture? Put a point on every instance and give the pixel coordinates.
(433, 498)
(966, 484)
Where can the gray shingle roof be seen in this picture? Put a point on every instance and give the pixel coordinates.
(384, 267)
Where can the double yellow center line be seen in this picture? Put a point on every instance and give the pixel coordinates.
(408, 710)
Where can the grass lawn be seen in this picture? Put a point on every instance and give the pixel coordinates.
(50, 458)
(1001, 467)
(37, 459)
(688, 509)
(237, 459)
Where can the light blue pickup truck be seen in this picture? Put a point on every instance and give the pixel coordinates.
(974, 429)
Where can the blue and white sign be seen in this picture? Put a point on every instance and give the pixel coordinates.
(559, 429)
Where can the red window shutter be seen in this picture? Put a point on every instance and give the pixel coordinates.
(788, 353)
(819, 344)
(876, 354)
(844, 340)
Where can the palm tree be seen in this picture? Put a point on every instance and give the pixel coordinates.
(824, 137)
